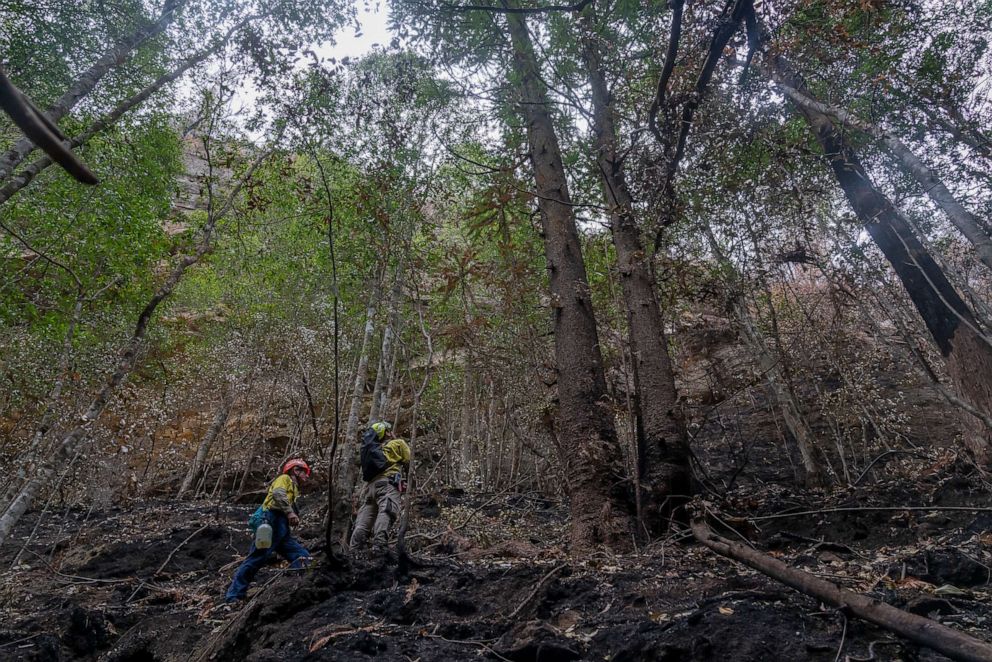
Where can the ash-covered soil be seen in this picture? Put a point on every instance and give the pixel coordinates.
(146, 582)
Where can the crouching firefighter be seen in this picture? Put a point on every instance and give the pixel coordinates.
(384, 465)
(280, 512)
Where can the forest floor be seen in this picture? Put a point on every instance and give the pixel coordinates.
(146, 582)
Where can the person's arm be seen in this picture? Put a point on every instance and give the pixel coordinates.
(279, 495)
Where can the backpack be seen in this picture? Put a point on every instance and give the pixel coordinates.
(374, 461)
(256, 519)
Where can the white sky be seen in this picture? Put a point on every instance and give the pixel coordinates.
(372, 19)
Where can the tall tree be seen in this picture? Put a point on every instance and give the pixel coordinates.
(663, 451)
(599, 504)
(953, 326)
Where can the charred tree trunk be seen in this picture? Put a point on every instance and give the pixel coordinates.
(955, 645)
(953, 326)
(674, 134)
(662, 448)
(932, 185)
(599, 499)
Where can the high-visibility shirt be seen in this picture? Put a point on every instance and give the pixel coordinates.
(282, 494)
(397, 452)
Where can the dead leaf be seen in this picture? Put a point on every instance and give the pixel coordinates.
(953, 591)
(914, 583)
(411, 590)
(726, 611)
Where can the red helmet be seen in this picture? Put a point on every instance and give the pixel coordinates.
(291, 464)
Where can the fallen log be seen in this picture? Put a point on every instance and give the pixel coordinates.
(955, 645)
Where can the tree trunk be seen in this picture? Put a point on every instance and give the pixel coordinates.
(377, 409)
(215, 430)
(26, 175)
(88, 80)
(599, 499)
(662, 448)
(466, 431)
(952, 325)
(956, 645)
(675, 134)
(344, 483)
(73, 441)
(932, 185)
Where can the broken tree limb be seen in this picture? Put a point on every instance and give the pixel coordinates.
(955, 645)
(855, 509)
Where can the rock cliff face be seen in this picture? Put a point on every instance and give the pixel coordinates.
(737, 429)
(191, 193)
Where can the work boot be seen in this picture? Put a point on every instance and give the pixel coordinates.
(380, 553)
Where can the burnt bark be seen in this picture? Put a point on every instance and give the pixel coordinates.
(931, 183)
(600, 502)
(663, 452)
(674, 134)
(952, 325)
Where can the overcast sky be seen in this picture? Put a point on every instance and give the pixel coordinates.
(373, 22)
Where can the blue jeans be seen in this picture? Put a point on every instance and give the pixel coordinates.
(282, 542)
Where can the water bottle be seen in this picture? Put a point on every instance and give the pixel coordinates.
(263, 536)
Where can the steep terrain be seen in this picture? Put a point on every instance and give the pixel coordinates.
(145, 582)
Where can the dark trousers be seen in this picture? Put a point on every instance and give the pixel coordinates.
(283, 543)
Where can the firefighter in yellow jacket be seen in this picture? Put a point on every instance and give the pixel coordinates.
(384, 465)
(280, 511)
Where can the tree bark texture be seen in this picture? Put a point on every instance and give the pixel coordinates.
(662, 448)
(955, 645)
(600, 502)
(952, 325)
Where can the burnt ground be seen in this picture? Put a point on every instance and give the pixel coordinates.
(145, 582)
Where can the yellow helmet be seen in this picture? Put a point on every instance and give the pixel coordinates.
(381, 427)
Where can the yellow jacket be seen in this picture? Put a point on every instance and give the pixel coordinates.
(397, 452)
(282, 494)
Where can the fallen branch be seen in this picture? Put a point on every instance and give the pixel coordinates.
(854, 509)
(955, 645)
(178, 547)
(537, 588)
(469, 642)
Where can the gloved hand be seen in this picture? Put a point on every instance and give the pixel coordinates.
(294, 519)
